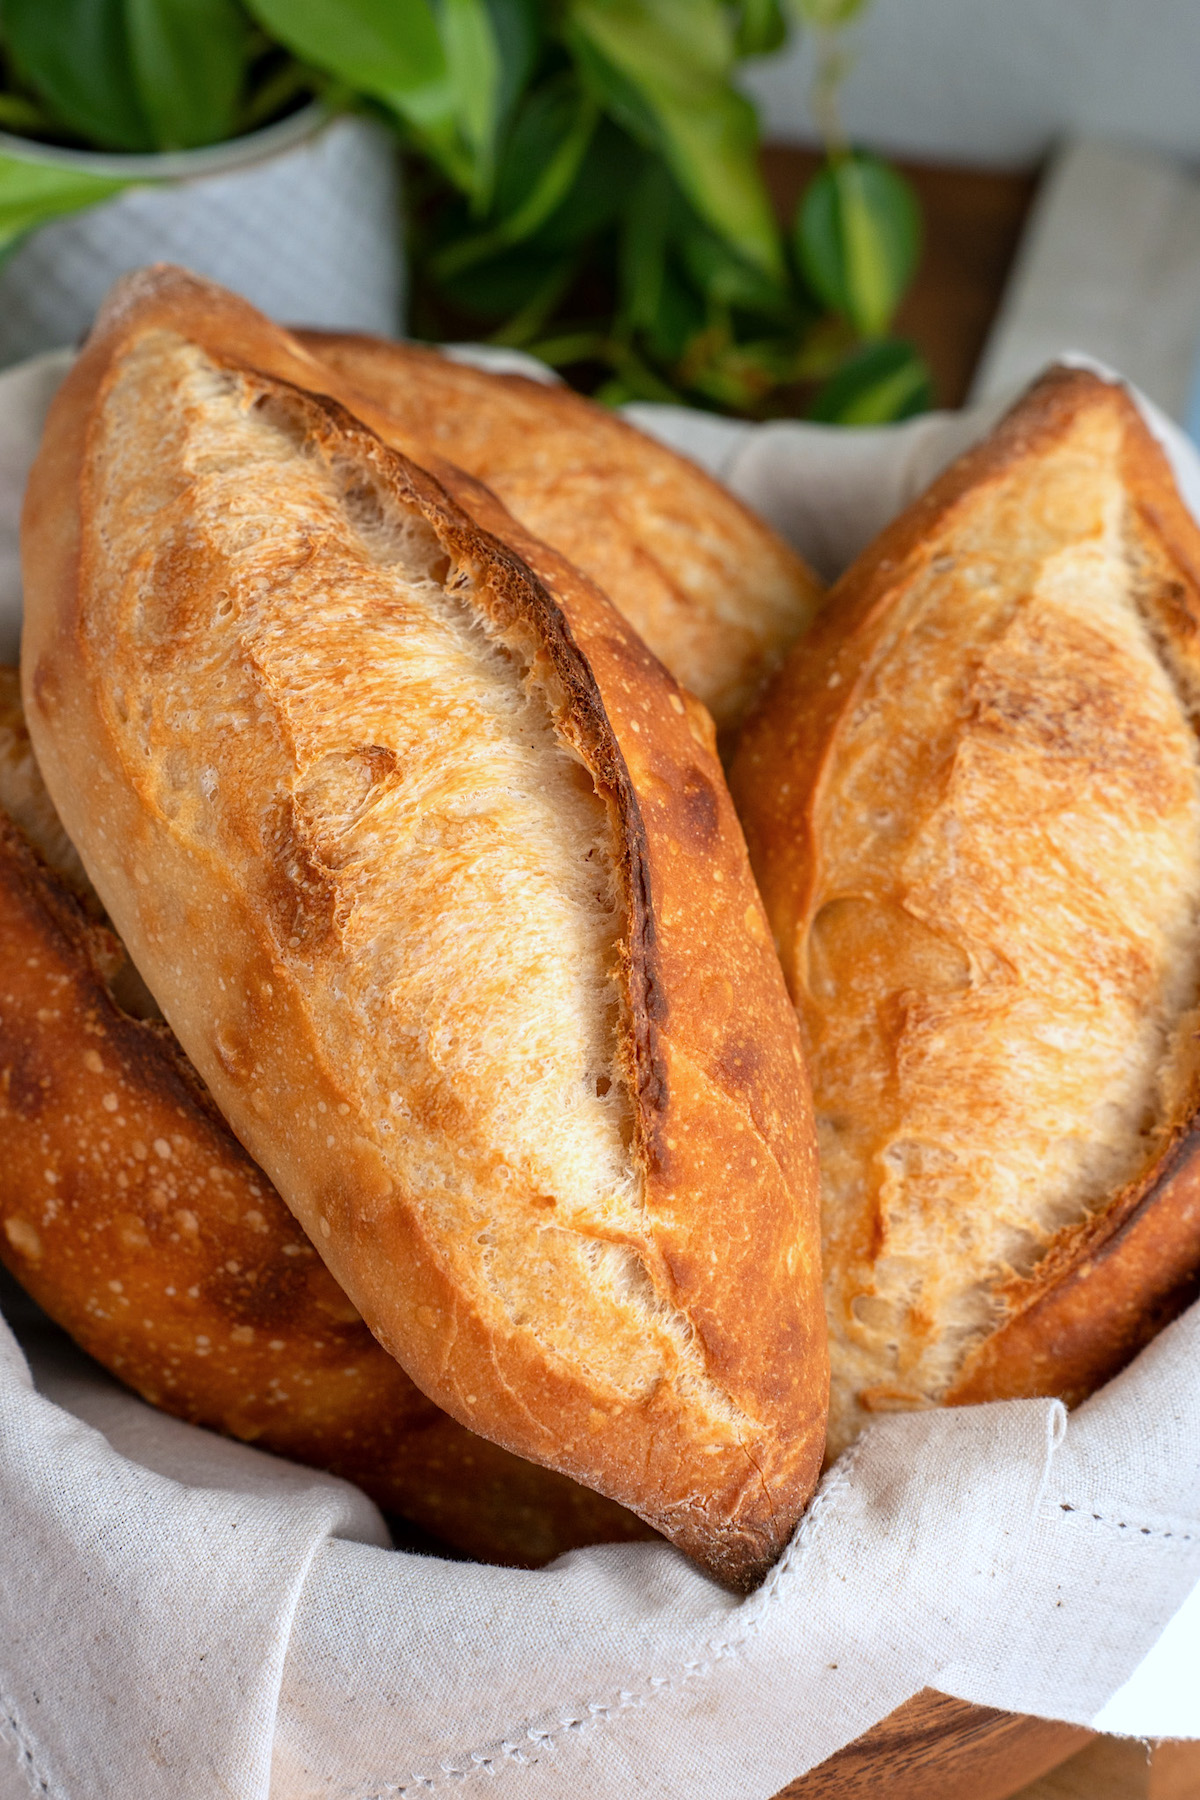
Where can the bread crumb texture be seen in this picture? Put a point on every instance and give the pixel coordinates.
(995, 953)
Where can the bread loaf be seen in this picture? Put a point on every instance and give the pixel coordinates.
(133, 1216)
(717, 596)
(433, 872)
(973, 803)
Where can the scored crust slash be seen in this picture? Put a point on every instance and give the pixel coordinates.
(383, 798)
(709, 588)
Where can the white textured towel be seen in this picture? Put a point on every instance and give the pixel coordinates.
(183, 1618)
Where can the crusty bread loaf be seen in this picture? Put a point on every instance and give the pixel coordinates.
(133, 1216)
(434, 874)
(710, 587)
(973, 803)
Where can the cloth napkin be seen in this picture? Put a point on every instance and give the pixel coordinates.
(183, 1618)
(1111, 256)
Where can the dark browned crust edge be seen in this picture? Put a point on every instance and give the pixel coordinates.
(1102, 1292)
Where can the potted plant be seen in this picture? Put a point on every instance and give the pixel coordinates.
(584, 177)
(179, 130)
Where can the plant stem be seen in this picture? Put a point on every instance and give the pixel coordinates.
(832, 66)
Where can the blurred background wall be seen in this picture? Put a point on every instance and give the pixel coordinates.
(998, 82)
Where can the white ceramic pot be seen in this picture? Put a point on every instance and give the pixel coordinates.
(303, 218)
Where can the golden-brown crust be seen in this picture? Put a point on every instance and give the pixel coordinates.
(1101, 1286)
(713, 591)
(185, 1274)
(797, 719)
(723, 1127)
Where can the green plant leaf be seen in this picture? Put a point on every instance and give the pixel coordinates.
(613, 393)
(726, 279)
(517, 25)
(21, 115)
(761, 27)
(529, 321)
(282, 87)
(541, 162)
(570, 347)
(546, 118)
(189, 60)
(74, 54)
(473, 64)
(506, 285)
(600, 191)
(881, 383)
(32, 193)
(823, 348)
(620, 98)
(680, 318)
(736, 375)
(390, 50)
(642, 251)
(857, 239)
(663, 67)
(640, 380)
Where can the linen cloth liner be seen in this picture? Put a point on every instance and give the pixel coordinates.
(182, 1617)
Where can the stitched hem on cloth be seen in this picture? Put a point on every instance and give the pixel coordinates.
(1086, 1516)
(17, 1735)
(520, 1747)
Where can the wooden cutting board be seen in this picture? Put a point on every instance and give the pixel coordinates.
(1122, 1769)
(935, 1748)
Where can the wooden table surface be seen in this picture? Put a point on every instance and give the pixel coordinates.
(936, 1748)
(1122, 1769)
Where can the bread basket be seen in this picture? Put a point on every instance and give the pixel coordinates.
(184, 1616)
